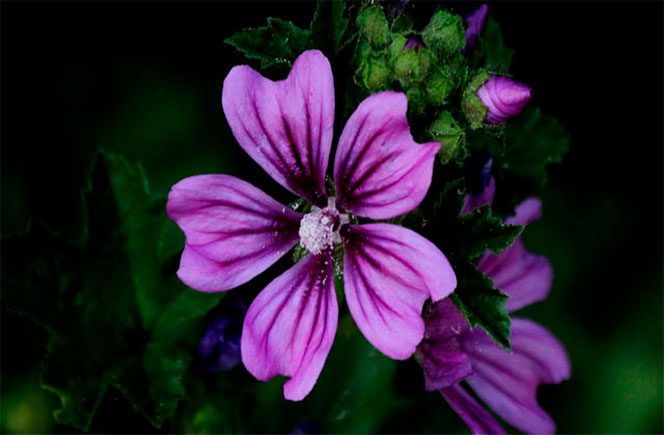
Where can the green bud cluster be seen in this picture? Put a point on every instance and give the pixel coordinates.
(430, 74)
(432, 67)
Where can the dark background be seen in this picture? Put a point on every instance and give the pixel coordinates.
(144, 80)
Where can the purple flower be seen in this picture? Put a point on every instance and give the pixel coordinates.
(503, 98)
(413, 41)
(506, 382)
(476, 21)
(219, 347)
(234, 231)
(306, 427)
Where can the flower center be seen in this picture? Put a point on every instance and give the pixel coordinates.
(319, 230)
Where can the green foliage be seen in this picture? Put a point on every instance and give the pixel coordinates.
(464, 239)
(450, 134)
(534, 140)
(531, 141)
(482, 303)
(472, 107)
(330, 30)
(116, 312)
(498, 57)
(276, 45)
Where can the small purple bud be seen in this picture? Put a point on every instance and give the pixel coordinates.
(476, 21)
(306, 427)
(503, 98)
(414, 42)
(219, 347)
(478, 171)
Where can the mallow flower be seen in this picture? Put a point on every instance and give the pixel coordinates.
(234, 231)
(503, 98)
(452, 352)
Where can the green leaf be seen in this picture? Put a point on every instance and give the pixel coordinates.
(463, 239)
(141, 217)
(482, 303)
(534, 140)
(276, 45)
(468, 237)
(498, 57)
(329, 26)
(101, 299)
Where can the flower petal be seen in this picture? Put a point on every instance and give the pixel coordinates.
(389, 272)
(474, 201)
(508, 382)
(527, 212)
(525, 277)
(233, 230)
(443, 362)
(285, 126)
(290, 326)
(476, 417)
(379, 171)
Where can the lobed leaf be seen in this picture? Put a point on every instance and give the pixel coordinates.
(276, 44)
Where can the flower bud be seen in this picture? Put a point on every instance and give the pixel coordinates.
(372, 24)
(444, 34)
(451, 136)
(413, 41)
(503, 98)
(476, 21)
(374, 73)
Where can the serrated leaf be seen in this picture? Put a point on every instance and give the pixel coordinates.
(88, 297)
(483, 232)
(329, 26)
(466, 238)
(498, 56)
(276, 44)
(482, 303)
(463, 239)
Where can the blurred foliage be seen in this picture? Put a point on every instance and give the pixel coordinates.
(117, 317)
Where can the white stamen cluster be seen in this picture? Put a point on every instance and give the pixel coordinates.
(316, 232)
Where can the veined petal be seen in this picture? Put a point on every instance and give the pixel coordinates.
(525, 277)
(285, 126)
(379, 171)
(443, 362)
(233, 230)
(508, 382)
(473, 414)
(389, 272)
(290, 326)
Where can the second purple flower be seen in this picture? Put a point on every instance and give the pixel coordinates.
(234, 231)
